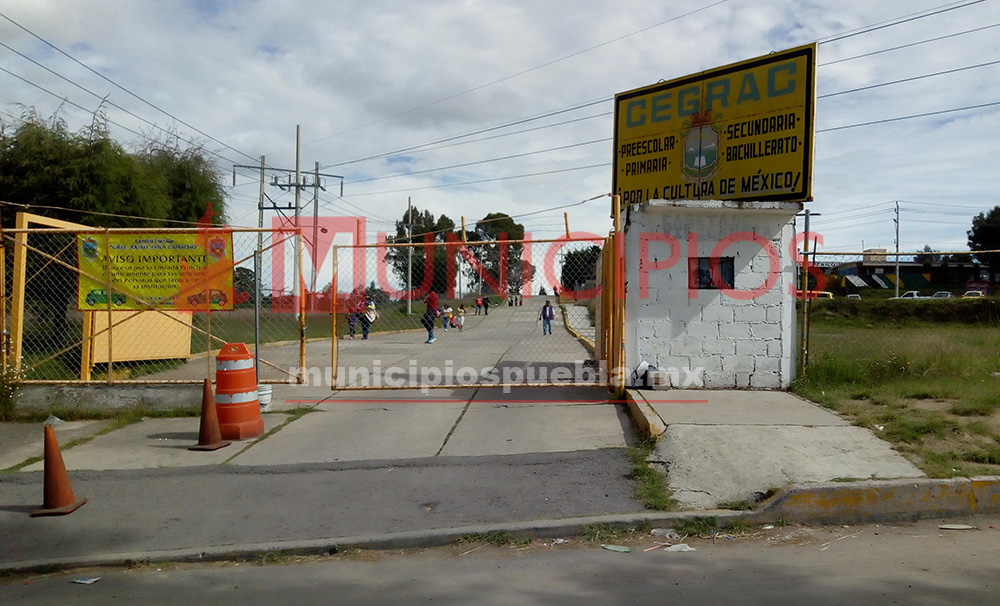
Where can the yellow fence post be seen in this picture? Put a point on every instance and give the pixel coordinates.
(17, 295)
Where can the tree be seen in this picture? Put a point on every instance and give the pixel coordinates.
(425, 229)
(87, 177)
(191, 182)
(579, 267)
(500, 226)
(985, 235)
(927, 257)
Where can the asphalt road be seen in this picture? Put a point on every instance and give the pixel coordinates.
(914, 564)
(197, 507)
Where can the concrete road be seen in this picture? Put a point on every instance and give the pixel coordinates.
(509, 342)
(914, 564)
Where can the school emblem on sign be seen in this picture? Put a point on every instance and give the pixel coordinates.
(701, 147)
(217, 247)
(90, 248)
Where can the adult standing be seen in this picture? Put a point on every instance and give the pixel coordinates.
(430, 315)
(479, 305)
(547, 315)
(486, 306)
(366, 318)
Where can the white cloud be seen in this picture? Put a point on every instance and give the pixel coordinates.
(366, 78)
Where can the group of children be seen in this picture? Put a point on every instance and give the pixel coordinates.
(452, 318)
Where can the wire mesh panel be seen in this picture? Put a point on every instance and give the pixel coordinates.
(89, 305)
(447, 314)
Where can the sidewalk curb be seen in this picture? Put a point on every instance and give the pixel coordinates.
(587, 343)
(649, 422)
(868, 502)
(883, 500)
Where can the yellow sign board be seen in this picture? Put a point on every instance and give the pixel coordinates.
(739, 132)
(155, 270)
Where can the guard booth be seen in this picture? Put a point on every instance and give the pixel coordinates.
(711, 169)
(710, 299)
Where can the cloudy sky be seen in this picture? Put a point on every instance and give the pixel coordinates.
(474, 106)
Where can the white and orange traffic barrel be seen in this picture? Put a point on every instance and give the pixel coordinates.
(236, 393)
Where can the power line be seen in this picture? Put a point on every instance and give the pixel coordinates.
(538, 174)
(521, 73)
(120, 87)
(104, 100)
(470, 134)
(924, 115)
(465, 164)
(949, 71)
(895, 48)
(944, 8)
(833, 38)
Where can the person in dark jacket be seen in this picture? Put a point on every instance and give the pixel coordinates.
(430, 315)
(546, 316)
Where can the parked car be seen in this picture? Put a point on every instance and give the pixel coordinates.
(943, 294)
(854, 296)
(973, 294)
(910, 294)
(814, 294)
(99, 295)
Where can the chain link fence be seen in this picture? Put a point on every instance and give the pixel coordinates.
(66, 323)
(452, 314)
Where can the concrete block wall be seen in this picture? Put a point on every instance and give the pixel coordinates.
(714, 339)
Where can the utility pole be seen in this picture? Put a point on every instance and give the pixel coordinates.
(256, 271)
(409, 257)
(292, 179)
(315, 253)
(296, 264)
(896, 221)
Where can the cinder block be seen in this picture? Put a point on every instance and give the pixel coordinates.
(750, 313)
(766, 380)
(687, 346)
(734, 330)
(710, 364)
(751, 347)
(742, 380)
(719, 347)
(720, 380)
(644, 329)
(704, 330)
(766, 364)
(765, 331)
(717, 313)
(738, 364)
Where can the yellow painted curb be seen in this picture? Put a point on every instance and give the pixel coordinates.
(649, 422)
(884, 500)
(587, 343)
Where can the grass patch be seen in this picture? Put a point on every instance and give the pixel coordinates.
(650, 485)
(988, 456)
(980, 406)
(275, 557)
(698, 526)
(917, 382)
(736, 526)
(499, 538)
(613, 533)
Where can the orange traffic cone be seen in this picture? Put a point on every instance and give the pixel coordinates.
(59, 499)
(210, 436)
